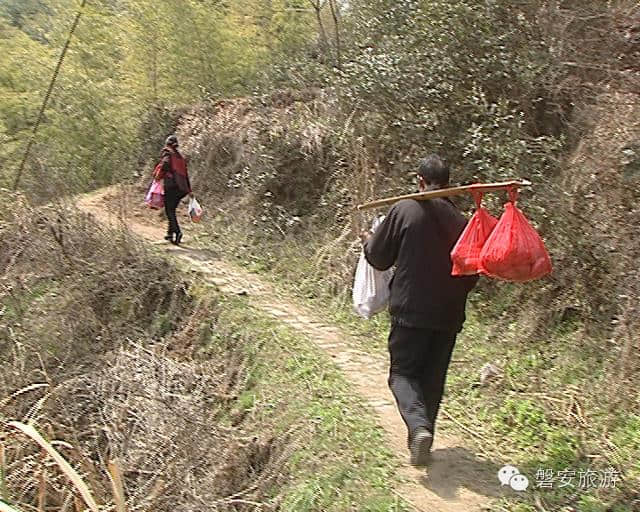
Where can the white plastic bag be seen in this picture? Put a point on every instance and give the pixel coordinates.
(370, 286)
(195, 210)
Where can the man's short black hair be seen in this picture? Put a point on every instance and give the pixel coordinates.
(434, 171)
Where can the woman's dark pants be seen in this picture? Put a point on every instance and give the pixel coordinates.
(172, 198)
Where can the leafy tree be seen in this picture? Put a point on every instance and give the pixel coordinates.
(127, 58)
(459, 76)
(26, 15)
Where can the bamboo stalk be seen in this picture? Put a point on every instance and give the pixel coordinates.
(158, 488)
(117, 486)
(446, 192)
(42, 487)
(4, 494)
(66, 468)
(6, 508)
(68, 501)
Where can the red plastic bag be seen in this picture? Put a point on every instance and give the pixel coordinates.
(158, 173)
(514, 251)
(465, 255)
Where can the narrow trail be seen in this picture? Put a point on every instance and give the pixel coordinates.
(455, 481)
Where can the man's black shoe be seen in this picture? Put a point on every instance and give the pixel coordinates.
(169, 237)
(420, 447)
(178, 238)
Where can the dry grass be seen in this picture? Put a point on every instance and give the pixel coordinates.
(99, 341)
(162, 420)
(65, 467)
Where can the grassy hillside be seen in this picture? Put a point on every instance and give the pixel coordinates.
(113, 354)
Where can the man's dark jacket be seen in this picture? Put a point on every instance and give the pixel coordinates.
(417, 236)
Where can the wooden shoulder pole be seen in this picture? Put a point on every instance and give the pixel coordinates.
(446, 192)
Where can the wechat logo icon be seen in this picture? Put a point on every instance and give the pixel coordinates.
(509, 475)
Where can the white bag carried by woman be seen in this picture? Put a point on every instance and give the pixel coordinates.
(195, 210)
(370, 286)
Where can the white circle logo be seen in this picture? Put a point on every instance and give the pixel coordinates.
(519, 482)
(509, 475)
(506, 473)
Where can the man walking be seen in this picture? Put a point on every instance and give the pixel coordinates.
(427, 304)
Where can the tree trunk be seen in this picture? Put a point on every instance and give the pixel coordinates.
(336, 25)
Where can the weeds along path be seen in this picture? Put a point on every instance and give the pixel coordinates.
(455, 481)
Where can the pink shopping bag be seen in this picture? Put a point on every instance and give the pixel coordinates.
(155, 195)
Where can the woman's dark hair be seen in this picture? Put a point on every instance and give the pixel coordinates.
(434, 171)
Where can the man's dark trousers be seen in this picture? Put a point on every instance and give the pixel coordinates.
(419, 362)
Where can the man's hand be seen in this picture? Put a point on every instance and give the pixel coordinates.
(365, 234)
(191, 196)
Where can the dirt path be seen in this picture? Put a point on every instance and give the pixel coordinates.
(455, 481)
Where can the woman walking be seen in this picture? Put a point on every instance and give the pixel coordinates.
(176, 185)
